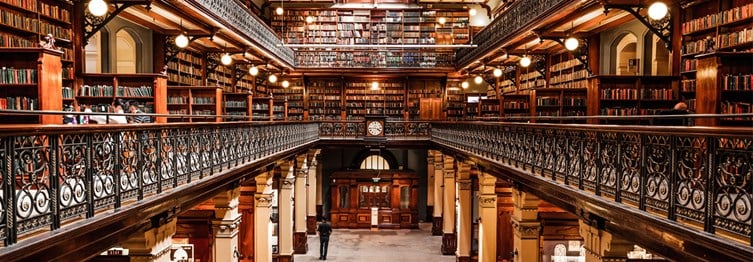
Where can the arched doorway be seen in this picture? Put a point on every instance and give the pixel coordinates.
(125, 53)
(627, 62)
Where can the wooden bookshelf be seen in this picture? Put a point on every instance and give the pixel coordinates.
(288, 103)
(31, 81)
(237, 104)
(516, 104)
(631, 95)
(726, 92)
(421, 92)
(325, 99)
(454, 100)
(195, 100)
(100, 90)
(363, 101)
(186, 69)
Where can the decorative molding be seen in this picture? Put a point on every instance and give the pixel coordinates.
(287, 183)
(526, 230)
(263, 200)
(464, 184)
(487, 201)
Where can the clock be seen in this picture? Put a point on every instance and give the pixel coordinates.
(374, 128)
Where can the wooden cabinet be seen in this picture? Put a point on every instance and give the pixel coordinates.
(394, 194)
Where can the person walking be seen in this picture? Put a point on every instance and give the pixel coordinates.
(325, 229)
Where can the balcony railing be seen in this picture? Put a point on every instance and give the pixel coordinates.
(52, 175)
(394, 130)
(701, 176)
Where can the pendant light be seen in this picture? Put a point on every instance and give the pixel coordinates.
(253, 70)
(97, 7)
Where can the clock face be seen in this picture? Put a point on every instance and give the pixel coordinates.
(375, 128)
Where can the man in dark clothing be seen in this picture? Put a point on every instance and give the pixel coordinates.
(679, 109)
(325, 229)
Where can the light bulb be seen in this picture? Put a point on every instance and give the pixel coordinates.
(497, 72)
(253, 70)
(374, 85)
(571, 43)
(285, 84)
(442, 20)
(657, 10)
(478, 80)
(181, 40)
(97, 7)
(464, 85)
(525, 61)
(279, 11)
(272, 78)
(226, 59)
(309, 19)
(472, 12)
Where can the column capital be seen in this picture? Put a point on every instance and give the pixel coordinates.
(487, 201)
(287, 182)
(449, 174)
(263, 200)
(464, 184)
(226, 228)
(526, 230)
(302, 173)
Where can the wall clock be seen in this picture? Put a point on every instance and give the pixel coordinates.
(374, 127)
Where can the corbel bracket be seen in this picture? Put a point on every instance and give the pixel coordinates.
(539, 62)
(580, 53)
(172, 50)
(92, 23)
(509, 72)
(239, 72)
(662, 28)
(213, 60)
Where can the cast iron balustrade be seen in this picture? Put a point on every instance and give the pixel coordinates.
(702, 176)
(393, 130)
(237, 16)
(51, 175)
(512, 20)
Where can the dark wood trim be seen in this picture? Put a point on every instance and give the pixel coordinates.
(449, 244)
(300, 244)
(436, 226)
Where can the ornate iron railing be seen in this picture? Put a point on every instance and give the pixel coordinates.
(357, 130)
(700, 175)
(57, 174)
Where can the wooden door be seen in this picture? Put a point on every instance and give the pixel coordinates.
(431, 109)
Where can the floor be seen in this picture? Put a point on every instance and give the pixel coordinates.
(377, 246)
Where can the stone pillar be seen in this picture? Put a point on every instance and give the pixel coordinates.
(601, 245)
(487, 235)
(436, 228)
(313, 195)
(449, 244)
(430, 185)
(300, 246)
(225, 225)
(463, 174)
(153, 244)
(526, 226)
(319, 192)
(262, 212)
(285, 207)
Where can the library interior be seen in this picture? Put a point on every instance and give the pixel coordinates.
(487, 130)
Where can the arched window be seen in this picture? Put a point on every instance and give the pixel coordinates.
(93, 54)
(375, 162)
(125, 55)
(626, 53)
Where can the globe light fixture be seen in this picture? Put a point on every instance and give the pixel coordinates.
(464, 85)
(279, 11)
(253, 70)
(97, 7)
(285, 84)
(181, 40)
(478, 80)
(272, 78)
(442, 20)
(658, 10)
(375, 85)
(571, 43)
(309, 19)
(472, 12)
(525, 61)
(226, 59)
(497, 72)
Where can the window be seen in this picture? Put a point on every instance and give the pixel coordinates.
(125, 53)
(375, 162)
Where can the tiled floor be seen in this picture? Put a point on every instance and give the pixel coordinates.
(383, 245)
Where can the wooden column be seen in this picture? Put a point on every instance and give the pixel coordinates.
(526, 227)
(246, 228)
(601, 245)
(430, 183)
(225, 225)
(262, 212)
(285, 207)
(463, 252)
(436, 228)
(300, 245)
(487, 239)
(153, 244)
(449, 244)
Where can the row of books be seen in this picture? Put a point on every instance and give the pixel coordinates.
(19, 103)
(735, 38)
(515, 104)
(634, 94)
(583, 83)
(321, 97)
(630, 111)
(203, 100)
(689, 64)
(731, 107)
(141, 91)
(564, 65)
(574, 75)
(738, 82)
(177, 100)
(68, 93)
(687, 85)
(723, 17)
(96, 90)
(236, 103)
(9, 75)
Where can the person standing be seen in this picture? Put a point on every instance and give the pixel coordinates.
(325, 229)
(139, 117)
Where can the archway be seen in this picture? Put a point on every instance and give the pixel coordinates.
(125, 56)
(627, 62)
